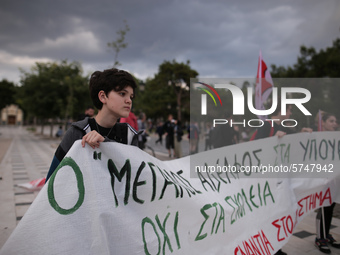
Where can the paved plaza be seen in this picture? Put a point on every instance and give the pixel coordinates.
(25, 156)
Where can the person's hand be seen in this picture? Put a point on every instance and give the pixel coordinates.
(93, 139)
(280, 134)
(309, 130)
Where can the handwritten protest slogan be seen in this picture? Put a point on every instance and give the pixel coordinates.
(120, 200)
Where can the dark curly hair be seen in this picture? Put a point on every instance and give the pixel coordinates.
(108, 80)
(326, 115)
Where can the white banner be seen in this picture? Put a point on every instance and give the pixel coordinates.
(120, 200)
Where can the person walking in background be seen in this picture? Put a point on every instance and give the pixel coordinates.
(168, 128)
(160, 132)
(142, 126)
(89, 112)
(208, 137)
(150, 125)
(60, 132)
(327, 122)
(177, 139)
(141, 121)
(194, 135)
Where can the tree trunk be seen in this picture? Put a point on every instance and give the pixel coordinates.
(51, 131)
(42, 127)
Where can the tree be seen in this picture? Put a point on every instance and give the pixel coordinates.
(7, 93)
(313, 64)
(168, 91)
(310, 63)
(119, 43)
(53, 90)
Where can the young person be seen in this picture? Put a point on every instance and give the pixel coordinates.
(111, 92)
(160, 131)
(168, 128)
(178, 131)
(325, 214)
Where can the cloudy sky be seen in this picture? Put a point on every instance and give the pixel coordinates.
(221, 38)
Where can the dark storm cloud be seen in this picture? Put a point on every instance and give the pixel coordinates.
(220, 38)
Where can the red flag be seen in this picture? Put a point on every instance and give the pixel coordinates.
(34, 185)
(264, 85)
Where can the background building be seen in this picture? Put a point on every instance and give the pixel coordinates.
(12, 115)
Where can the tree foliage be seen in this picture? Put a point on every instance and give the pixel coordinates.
(317, 64)
(119, 43)
(7, 93)
(54, 90)
(310, 63)
(162, 93)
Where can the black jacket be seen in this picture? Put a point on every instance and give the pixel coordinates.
(124, 133)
